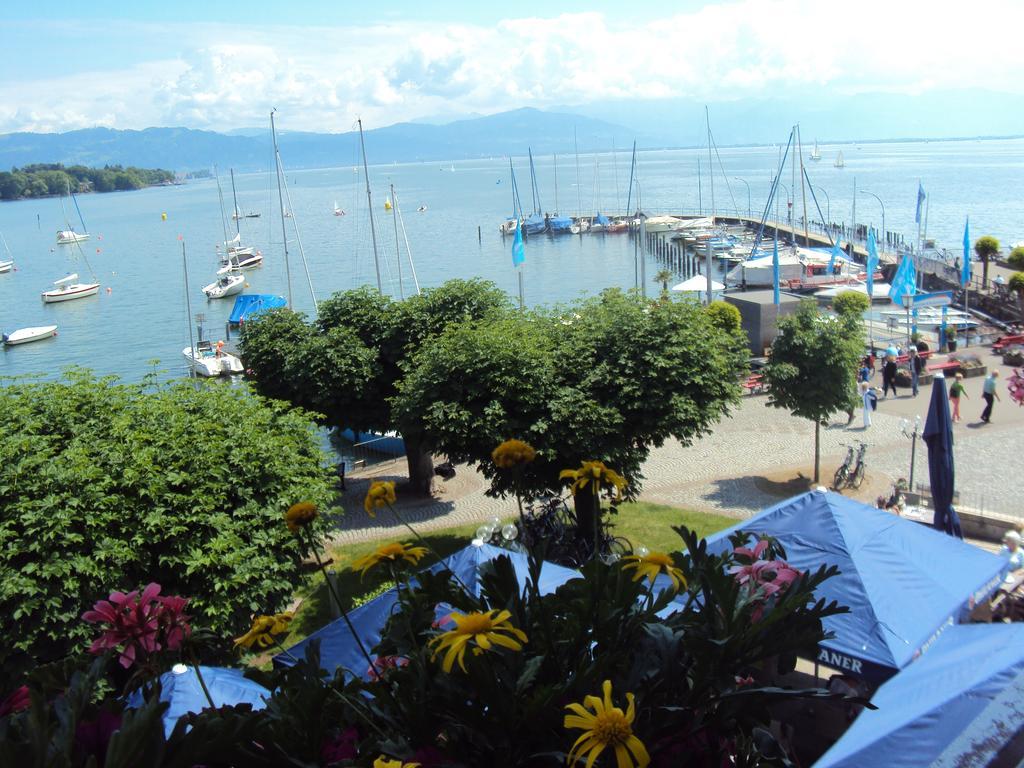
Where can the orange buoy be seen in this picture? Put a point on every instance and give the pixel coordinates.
(109, 289)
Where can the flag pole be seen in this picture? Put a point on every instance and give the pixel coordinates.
(521, 302)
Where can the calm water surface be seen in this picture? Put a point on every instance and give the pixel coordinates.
(138, 257)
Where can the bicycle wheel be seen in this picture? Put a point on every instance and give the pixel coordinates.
(858, 475)
(841, 478)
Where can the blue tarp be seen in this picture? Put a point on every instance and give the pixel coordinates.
(560, 224)
(181, 689)
(903, 582)
(602, 220)
(956, 706)
(337, 647)
(248, 305)
(535, 224)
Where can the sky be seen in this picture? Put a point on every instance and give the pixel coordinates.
(224, 65)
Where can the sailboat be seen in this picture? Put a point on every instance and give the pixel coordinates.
(239, 215)
(536, 222)
(815, 155)
(8, 264)
(338, 211)
(840, 163)
(238, 256)
(68, 288)
(68, 236)
(227, 284)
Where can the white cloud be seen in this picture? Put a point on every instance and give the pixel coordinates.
(322, 78)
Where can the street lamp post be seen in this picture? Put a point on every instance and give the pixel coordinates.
(748, 195)
(865, 192)
(913, 445)
(828, 207)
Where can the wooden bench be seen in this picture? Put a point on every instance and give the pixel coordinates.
(1007, 341)
(949, 365)
(905, 358)
(753, 384)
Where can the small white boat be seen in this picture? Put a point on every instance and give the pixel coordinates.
(421, 209)
(6, 266)
(226, 285)
(26, 335)
(239, 215)
(656, 224)
(240, 260)
(206, 361)
(68, 289)
(69, 236)
(840, 162)
(508, 227)
(338, 211)
(815, 155)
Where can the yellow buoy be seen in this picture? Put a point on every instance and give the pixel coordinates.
(387, 204)
(163, 217)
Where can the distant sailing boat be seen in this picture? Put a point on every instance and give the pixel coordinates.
(815, 155)
(840, 163)
(338, 211)
(8, 264)
(67, 236)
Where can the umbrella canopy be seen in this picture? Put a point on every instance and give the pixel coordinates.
(181, 689)
(697, 284)
(938, 435)
(903, 582)
(337, 647)
(959, 705)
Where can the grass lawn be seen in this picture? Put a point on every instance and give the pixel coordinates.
(643, 523)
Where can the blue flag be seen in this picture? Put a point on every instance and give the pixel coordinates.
(965, 275)
(518, 251)
(920, 201)
(835, 255)
(775, 272)
(872, 264)
(904, 282)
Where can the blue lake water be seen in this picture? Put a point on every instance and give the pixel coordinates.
(138, 256)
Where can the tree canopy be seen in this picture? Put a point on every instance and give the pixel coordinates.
(986, 247)
(48, 179)
(852, 303)
(1016, 257)
(812, 370)
(111, 486)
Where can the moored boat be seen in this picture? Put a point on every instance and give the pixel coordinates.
(69, 289)
(6, 266)
(69, 236)
(226, 285)
(27, 335)
(208, 361)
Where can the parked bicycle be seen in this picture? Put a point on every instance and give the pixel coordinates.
(851, 472)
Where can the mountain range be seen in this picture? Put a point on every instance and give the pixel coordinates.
(824, 115)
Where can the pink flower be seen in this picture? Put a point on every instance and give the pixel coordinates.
(755, 553)
(742, 681)
(16, 702)
(382, 664)
(341, 746)
(139, 624)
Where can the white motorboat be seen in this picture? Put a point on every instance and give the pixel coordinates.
(236, 261)
(207, 361)
(6, 266)
(226, 285)
(662, 224)
(26, 335)
(248, 215)
(879, 291)
(799, 268)
(69, 236)
(69, 289)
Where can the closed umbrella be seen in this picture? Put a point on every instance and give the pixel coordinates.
(938, 436)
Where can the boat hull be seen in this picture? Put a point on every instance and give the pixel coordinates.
(69, 237)
(210, 366)
(6, 266)
(28, 335)
(221, 291)
(71, 292)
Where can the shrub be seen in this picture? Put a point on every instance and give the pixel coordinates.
(110, 486)
(725, 316)
(1013, 356)
(1016, 257)
(1016, 282)
(851, 302)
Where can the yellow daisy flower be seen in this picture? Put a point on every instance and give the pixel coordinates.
(389, 553)
(653, 563)
(263, 630)
(300, 515)
(381, 492)
(484, 630)
(606, 727)
(597, 473)
(386, 762)
(513, 453)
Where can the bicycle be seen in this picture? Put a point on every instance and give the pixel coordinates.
(859, 470)
(842, 476)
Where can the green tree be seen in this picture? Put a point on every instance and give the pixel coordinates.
(726, 316)
(1016, 285)
(986, 247)
(812, 369)
(383, 334)
(108, 486)
(852, 303)
(1016, 257)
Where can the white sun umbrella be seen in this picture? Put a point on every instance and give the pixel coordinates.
(697, 284)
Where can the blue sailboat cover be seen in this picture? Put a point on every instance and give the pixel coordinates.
(248, 305)
(904, 582)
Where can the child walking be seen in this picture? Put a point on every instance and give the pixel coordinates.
(956, 391)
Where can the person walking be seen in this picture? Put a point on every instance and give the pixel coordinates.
(989, 393)
(889, 376)
(916, 363)
(956, 391)
(868, 398)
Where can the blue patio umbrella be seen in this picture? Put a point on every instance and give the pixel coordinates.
(938, 435)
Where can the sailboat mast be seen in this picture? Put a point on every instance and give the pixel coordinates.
(280, 201)
(369, 204)
(700, 191)
(533, 184)
(234, 198)
(188, 308)
(554, 169)
(398, 250)
(579, 199)
(632, 170)
(220, 196)
(615, 169)
(803, 190)
(711, 162)
(74, 199)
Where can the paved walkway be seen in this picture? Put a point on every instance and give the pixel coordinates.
(754, 458)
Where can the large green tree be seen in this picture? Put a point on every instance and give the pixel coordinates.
(812, 370)
(106, 486)
(373, 337)
(986, 247)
